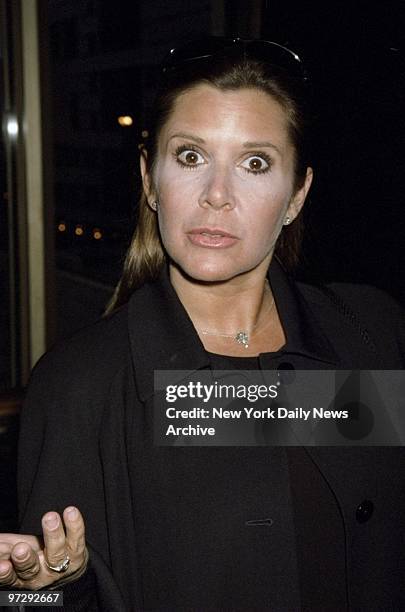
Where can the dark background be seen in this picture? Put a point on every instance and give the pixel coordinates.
(355, 217)
(104, 57)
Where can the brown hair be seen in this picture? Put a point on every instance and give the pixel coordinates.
(145, 256)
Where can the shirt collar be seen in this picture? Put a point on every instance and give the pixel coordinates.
(163, 337)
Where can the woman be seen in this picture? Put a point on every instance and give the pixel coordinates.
(205, 287)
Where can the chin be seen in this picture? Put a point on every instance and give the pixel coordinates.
(210, 272)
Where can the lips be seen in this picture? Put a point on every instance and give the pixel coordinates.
(211, 237)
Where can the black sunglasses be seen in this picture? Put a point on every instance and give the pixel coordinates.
(217, 46)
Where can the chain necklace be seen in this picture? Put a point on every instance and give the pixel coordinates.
(241, 337)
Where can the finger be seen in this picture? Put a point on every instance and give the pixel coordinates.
(14, 538)
(5, 550)
(8, 577)
(25, 560)
(75, 533)
(54, 538)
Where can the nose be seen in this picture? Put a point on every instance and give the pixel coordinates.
(217, 192)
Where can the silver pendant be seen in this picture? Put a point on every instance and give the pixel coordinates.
(242, 338)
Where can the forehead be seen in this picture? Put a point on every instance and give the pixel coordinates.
(245, 114)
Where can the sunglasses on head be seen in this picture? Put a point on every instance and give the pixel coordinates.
(211, 47)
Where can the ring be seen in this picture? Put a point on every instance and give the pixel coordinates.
(59, 568)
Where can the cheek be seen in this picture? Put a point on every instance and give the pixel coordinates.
(170, 177)
(266, 209)
(262, 232)
(177, 192)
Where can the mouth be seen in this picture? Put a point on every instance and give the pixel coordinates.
(211, 237)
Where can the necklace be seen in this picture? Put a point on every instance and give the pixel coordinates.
(241, 337)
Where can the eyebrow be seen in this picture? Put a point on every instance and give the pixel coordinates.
(259, 145)
(188, 137)
(246, 145)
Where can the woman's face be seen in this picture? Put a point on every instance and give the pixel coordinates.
(224, 181)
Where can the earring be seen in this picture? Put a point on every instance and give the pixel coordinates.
(155, 205)
(287, 221)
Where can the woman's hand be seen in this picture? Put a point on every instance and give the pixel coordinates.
(25, 559)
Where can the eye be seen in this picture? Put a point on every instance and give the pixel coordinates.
(256, 164)
(189, 157)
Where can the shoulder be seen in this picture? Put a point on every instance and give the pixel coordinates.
(369, 303)
(86, 362)
(369, 312)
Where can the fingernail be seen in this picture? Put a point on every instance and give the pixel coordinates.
(21, 553)
(72, 513)
(52, 521)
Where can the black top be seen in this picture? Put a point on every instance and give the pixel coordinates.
(319, 533)
(176, 528)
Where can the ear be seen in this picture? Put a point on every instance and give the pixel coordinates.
(147, 178)
(298, 199)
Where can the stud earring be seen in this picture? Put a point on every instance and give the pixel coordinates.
(155, 205)
(287, 221)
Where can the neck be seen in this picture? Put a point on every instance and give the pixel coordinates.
(224, 307)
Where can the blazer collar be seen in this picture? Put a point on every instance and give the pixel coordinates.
(162, 336)
(304, 334)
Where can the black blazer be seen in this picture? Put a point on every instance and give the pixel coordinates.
(166, 526)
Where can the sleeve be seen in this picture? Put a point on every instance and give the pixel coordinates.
(59, 465)
(78, 596)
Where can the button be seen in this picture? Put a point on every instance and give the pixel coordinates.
(286, 373)
(364, 511)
